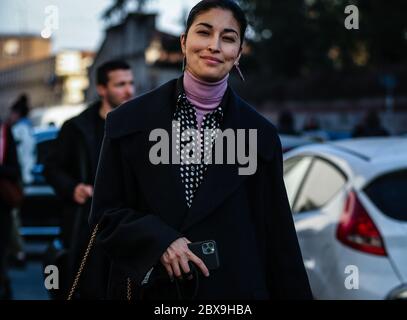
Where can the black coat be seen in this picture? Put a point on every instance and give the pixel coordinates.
(73, 160)
(141, 209)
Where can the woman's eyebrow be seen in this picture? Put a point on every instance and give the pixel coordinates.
(226, 30)
(230, 30)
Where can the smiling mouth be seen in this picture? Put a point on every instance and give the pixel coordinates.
(211, 59)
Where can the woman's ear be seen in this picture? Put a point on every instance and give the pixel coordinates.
(183, 39)
(238, 57)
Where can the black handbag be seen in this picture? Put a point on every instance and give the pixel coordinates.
(75, 284)
(143, 290)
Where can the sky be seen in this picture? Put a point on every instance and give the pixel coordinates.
(79, 23)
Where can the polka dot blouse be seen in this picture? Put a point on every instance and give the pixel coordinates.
(194, 158)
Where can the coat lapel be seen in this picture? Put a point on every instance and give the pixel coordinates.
(86, 123)
(165, 190)
(161, 183)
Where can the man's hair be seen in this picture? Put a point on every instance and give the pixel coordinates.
(21, 106)
(102, 72)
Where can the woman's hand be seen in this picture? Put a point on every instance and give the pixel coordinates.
(175, 259)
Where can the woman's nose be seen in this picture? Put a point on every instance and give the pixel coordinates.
(214, 45)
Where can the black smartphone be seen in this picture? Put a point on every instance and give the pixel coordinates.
(207, 252)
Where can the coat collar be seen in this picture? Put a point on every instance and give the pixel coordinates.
(86, 123)
(155, 110)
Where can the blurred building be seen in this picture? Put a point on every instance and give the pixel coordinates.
(22, 48)
(47, 79)
(155, 56)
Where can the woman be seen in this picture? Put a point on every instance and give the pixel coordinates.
(148, 213)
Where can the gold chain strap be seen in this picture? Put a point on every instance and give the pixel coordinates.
(128, 289)
(83, 262)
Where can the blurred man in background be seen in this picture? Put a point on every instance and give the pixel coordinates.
(286, 123)
(71, 167)
(370, 126)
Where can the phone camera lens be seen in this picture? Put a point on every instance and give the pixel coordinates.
(208, 248)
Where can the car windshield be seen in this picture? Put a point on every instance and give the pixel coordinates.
(389, 194)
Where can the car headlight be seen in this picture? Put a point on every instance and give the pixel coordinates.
(399, 293)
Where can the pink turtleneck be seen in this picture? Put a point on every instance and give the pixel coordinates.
(205, 96)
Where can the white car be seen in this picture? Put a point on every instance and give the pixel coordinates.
(290, 142)
(349, 203)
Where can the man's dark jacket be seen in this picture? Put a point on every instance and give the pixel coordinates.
(141, 207)
(73, 160)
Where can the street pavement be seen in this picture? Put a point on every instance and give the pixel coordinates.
(28, 282)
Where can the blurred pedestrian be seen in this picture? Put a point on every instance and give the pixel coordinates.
(311, 124)
(370, 126)
(312, 129)
(9, 189)
(23, 135)
(22, 130)
(148, 214)
(71, 166)
(286, 123)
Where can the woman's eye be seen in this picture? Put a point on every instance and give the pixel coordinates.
(203, 32)
(229, 39)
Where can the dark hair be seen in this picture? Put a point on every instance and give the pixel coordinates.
(102, 72)
(230, 5)
(20, 106)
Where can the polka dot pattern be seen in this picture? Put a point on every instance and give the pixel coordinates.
(194, 158)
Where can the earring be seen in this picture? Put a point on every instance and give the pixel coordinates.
(239, 71)
(184, 63)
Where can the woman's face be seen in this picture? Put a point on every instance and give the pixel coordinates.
(212, 45)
